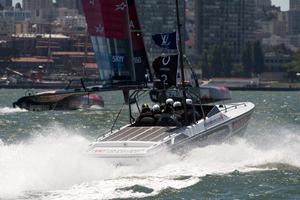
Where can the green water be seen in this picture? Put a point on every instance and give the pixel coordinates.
(41, 156)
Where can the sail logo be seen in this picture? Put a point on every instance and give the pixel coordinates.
(118, 59)
(137, 60)
(165, 40)
(166, 60)
(121, 6)
(92, 2)
(99, 28)
(131, 25)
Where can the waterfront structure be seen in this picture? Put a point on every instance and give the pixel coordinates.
(40, 8)
(263, 3)
(220, 22)
(158, 16)
(293, 22)
(9, 19)
(274, 62)
(294, 4)
(7, 4)
(69, 24)
(71, 4)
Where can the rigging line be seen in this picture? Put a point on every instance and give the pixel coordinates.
(116, 119)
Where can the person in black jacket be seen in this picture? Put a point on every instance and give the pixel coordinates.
(146, 117)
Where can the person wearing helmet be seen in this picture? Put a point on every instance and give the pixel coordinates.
(192, 113)
(145, 108)
(189, 102)
(146, 117)
(177, 105)
(168, 116)
(169, 106)
(156, 112)
(170, 101)
(178, 110)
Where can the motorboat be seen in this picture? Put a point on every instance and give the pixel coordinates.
(148, 133)
(137, 141)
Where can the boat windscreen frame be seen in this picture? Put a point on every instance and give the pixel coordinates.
(138, 93)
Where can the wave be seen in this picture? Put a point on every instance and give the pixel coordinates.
(55, 166)
(8, 110)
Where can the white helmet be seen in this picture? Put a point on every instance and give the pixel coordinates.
(189, 102)
(177, 104)
(170, 101)
(156, 108)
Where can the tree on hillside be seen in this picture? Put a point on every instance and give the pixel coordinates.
(294, 65)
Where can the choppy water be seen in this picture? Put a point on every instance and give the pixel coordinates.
(41, 156)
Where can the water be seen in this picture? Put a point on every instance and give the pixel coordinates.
(41, 156)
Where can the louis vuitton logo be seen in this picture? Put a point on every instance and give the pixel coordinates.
(165, 40)
(166, 60)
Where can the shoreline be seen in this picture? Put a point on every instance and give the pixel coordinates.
(62, 86)
(271, 89)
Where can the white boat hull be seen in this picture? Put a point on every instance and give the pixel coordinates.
(131, 144)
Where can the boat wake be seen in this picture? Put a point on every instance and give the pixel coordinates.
(55, 167)
(8, 110)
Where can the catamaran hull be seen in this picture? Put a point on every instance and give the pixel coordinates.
(60, 101)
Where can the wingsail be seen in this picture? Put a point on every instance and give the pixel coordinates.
(108, 27)
(140, 58)
(117, 40)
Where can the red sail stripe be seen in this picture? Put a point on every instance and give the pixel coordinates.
(107, 18)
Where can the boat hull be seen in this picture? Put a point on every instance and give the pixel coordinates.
(120, 147)
(59, 101)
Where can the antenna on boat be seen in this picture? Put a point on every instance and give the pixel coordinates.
(181, 62)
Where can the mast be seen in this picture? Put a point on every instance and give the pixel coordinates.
(181, 62)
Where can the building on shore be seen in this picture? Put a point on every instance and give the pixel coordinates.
(6, 4)
(220, 22)
(10, 20)
(40, 9)
(294, 4)
(293, 22)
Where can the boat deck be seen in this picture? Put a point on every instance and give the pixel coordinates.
(149, 134)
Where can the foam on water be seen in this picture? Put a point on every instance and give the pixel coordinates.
(55, 167)
(8, 110)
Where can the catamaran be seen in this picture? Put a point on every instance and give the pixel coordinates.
(178, 119)
(65, 99)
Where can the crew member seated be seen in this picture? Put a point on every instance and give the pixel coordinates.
(168, 117)
(146, 117)
(178, 110)
(156, 112)
(169, 106)
(192, 114)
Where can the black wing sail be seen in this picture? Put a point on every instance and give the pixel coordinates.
(140, 58)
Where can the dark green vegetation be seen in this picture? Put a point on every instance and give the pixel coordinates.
(219, 62)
